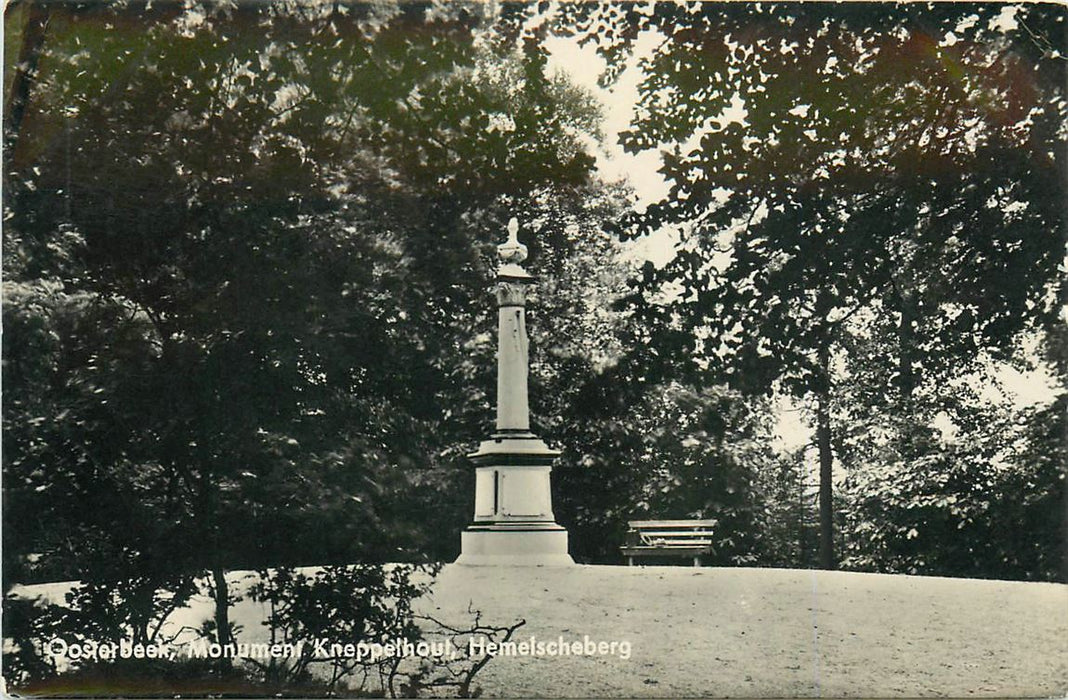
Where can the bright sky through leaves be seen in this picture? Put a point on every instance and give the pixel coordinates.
(640, 170)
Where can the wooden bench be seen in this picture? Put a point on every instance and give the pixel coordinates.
(670, 538)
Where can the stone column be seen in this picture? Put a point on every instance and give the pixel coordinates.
(513, 411)
(513, 520)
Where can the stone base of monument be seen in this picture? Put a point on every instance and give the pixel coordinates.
(514, 544)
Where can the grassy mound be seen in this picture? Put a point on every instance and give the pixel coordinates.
(768, 632)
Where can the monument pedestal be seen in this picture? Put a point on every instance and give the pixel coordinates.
(512, 547)
(514, 521)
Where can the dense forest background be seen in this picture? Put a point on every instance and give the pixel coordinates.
(248, 259)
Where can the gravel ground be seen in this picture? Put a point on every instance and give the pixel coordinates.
(768, 632)
(712, 632)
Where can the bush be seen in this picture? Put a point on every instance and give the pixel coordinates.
(372, 605)
(363, 605)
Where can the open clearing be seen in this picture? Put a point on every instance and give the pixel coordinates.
(718, 632)
(769, 632)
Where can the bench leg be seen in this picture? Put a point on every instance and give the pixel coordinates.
(697, 561)
(630, 561)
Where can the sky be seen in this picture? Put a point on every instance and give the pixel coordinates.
(640, 171)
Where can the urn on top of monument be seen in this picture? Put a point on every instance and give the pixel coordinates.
(512, 254)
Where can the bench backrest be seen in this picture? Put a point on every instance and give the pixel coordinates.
(672, 533)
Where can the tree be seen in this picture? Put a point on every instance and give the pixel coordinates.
(976, 490)
(244, 276)
(987, 502)
(833, 167)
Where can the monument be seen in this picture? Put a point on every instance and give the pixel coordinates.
(513, 519)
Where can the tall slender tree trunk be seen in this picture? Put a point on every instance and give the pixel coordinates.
(25, 73)
(905, 344)
(802, 510)
(222, 605)
(210, 504)
(910, 438)
(823, 444)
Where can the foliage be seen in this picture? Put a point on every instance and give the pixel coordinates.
(986, 502)
(131, 611)
(343, 605)
(676, 451)
(288, 249)
(831, 168)
(372, 605)
(785, 523)
(246, 259)
(24, 656)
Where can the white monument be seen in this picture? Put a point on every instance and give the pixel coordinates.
(513, 520)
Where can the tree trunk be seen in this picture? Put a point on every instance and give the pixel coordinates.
(911, 431)
(218, 571)
(33, 37)
(823, 443)
(222, 606)
(140, 602)
(905, 344)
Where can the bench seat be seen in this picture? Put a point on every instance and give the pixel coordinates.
(668, 538)
(673, 551)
